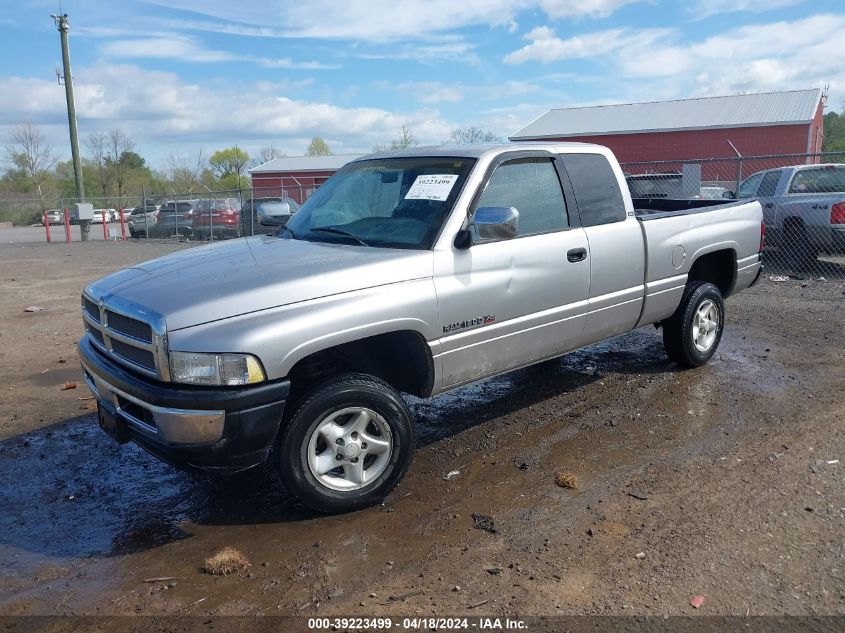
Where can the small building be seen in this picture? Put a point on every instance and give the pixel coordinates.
(295, 176)
(761, 124)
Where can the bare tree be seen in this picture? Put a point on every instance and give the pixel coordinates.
(406, 139)
(30, 152)
(117, 145)
(183, 172)
(462, 135)
(97, 146)
(268, 153)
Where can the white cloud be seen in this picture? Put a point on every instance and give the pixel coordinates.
(189, 49)
(163, 113)
(546, 47)
(557, 9)
(665, 62)
(373, 20)
(705, 8)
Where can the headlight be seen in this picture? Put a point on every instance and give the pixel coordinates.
(215, 369)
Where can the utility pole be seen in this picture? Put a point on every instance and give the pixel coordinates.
(62, 25)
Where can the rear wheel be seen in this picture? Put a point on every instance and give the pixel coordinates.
(802, 253)
(347, 444)
(692, 335)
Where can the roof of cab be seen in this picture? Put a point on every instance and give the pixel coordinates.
(477, 150)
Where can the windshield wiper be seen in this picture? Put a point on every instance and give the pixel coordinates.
(334, 229)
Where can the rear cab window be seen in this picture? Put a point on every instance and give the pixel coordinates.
(596, 189)
(825, 179)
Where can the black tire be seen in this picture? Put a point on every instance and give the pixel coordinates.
(312, 409)
(802, 254)
(679, 329)
(132, 233)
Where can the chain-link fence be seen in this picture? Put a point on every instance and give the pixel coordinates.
(201, 216)
(802, 195)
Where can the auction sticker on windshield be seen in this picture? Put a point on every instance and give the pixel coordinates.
(431, 187)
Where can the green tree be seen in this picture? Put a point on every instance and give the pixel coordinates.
(318, 147)
(834, 132)
(228, 166)
(463, 135)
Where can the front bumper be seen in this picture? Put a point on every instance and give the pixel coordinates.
(220, 429)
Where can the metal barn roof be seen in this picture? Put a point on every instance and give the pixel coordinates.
(767, 108)
(332, 162)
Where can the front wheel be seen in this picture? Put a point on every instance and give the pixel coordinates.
(347, 444)
(692, 335)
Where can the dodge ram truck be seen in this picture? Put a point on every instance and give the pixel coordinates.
(803, 209)
(415, 271)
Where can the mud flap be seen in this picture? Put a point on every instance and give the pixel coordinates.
(114, 427)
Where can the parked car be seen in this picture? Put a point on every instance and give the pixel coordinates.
(416, 272)
(142, 220)
(100, 216)
(249, 213)
(668, 185)
(176, 218)
(217, 219)
(54, 216)
(716, 193)
(803, 208)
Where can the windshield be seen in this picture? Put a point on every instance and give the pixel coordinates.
(392, 202)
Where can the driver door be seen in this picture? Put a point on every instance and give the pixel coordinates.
(507, 303)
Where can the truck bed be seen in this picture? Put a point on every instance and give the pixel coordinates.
(653, 208)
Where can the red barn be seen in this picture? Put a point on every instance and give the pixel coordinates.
(295, 176)
(760, 124)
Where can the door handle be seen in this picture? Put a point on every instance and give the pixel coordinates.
(576, 254)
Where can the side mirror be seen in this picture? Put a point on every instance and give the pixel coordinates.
(273, 213)
(730, 195)
(494, 223)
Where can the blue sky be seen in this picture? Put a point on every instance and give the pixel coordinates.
(183, 75)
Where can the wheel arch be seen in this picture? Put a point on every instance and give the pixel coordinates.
(716, 266)
(401, 357)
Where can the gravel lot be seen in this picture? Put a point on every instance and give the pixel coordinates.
(721, 482)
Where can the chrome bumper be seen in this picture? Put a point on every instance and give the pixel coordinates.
(161, 424)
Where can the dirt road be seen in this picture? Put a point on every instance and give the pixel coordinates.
(724, 482)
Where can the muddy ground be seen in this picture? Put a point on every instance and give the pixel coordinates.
(721, 482)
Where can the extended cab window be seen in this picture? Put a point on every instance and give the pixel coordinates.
(531, 186)
(596, 189)
(748, 187)
(769, 184)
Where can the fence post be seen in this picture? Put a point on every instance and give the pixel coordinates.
(67, 225)
(47, 225)
(144, 206)
(122, 224)
(738, 176)
(104, 216)
(176, 214)
(252, 211)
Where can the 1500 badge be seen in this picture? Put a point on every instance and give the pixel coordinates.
(468, 323)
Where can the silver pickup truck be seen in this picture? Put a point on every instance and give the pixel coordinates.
(803, 208)
(416, 271)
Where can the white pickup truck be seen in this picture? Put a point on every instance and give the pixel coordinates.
(416, 271)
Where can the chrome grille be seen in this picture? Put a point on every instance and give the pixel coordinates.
(135, 355)
(91, 308)
(129, 326)
(95, 334)
(131, 335)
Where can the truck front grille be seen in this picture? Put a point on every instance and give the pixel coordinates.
(137, 356)
(91, 308)
(121, 331)
(129, 326)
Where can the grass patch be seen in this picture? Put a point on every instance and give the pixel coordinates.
(227, 561)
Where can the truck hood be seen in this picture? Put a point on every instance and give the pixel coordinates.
(204, 284)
